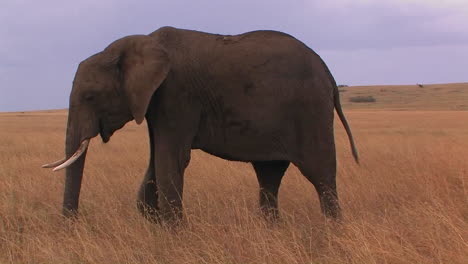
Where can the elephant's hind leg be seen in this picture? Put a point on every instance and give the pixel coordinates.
(321, 173)
(269, 175)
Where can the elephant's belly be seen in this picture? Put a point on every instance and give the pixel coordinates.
(236, 146)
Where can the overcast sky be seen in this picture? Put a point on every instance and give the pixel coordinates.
(363, 42)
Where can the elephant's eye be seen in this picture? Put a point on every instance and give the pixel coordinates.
(89, 98)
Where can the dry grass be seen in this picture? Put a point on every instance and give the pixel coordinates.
(452, 96)
(406, 203)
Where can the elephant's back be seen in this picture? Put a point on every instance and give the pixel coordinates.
(266, 42)
(258, 63)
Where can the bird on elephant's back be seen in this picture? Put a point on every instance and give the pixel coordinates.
(261, 97)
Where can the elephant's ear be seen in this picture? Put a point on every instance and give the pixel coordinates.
(145, 65)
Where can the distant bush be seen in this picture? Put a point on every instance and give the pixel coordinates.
(362, 99)
(342, 85)
(420, 85)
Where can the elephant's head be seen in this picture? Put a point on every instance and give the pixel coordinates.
(109, 89)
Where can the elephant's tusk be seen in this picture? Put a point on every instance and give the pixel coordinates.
(75, 156)
(53, 164)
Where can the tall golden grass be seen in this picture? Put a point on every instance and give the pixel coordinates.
(405, 203)
(453, 96)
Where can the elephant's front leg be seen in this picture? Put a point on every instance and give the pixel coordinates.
(171, 158)
(173, 128)
(147, 202)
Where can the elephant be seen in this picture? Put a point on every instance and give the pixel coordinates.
(262, 97)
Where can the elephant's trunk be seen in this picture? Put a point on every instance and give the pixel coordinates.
(79, 134)
(74, 172)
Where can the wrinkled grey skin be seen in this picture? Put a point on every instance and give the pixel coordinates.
(261, 97)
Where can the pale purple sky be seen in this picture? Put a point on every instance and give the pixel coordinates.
(363, 42)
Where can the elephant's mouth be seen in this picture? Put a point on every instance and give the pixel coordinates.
(105, 133)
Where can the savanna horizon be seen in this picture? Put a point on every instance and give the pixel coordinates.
(405, 203)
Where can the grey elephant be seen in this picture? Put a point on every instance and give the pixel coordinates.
(261, 97)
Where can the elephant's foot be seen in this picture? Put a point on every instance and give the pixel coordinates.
(171, 213)
(269, 204)
(270, 214)
(330, 205)
(147, 201)
(149, 212)
(168, 218)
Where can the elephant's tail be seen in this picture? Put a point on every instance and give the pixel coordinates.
(339, 110)
(336, 99)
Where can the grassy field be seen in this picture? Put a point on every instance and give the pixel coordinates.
(452, 96)
(406, 203)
